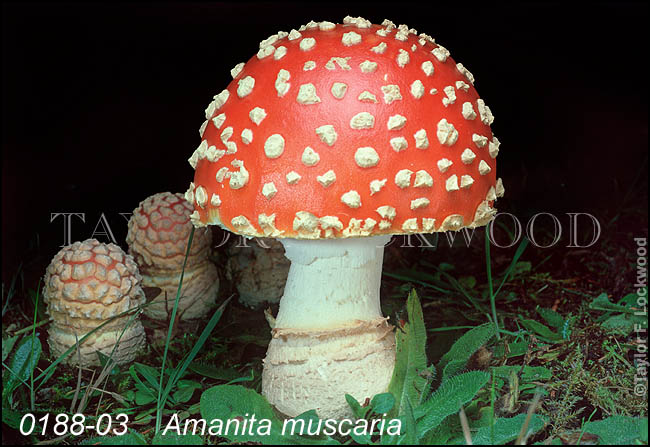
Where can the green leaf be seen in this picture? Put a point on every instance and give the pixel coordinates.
(359, 438)
(21, 365)
(439, 436)
(619, 323)
(515, 349)
(448, 399)
(212, 372)
(541, 329)
(410, 358)
(528, 374)
(185, 390)
(618, 430)
(225, 402)
(7, 345)
(602, 303)
(249, 378)
(409, 425)
(150, 374)
(521, 267)
(468, 282)
(461, 351)
(11, 418)
(356, 407)
(173, 438)
(382, 403)
(507, 429)
(551, 317)
(452, 368)
(144, 396)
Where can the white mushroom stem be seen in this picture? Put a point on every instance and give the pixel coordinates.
(330, 338)
(332, 283)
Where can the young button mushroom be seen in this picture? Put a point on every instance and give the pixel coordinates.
(158, 233)
(86, 284)
(355, 133)
(259, 271)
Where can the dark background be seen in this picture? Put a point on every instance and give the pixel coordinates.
(101, 104)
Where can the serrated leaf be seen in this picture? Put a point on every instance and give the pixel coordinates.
(441, 435)
(410, 358)
(461, 351)
(619, 323)
(410, 427)
(618, 430)
(452, 368)
(506, 430)
(448, 398)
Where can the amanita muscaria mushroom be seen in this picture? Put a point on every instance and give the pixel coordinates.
(158, 233)
(332, 138)
(86, 284)
(259, 271)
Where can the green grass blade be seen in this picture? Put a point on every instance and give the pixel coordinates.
(178, 373)
(49, 371)
(515, 259)
(160, 401)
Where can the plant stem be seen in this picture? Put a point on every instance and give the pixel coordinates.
(160, 403)
(32, 399)
(490, 286)
(33, 326)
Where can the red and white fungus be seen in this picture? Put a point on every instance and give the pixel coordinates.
(331, 133)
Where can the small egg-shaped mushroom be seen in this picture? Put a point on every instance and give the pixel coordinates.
(87, 284)
(259, 270)
(159, 230)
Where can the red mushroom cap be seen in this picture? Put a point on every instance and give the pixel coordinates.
(346, 130)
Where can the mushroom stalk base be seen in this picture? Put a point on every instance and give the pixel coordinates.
(330, 337)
